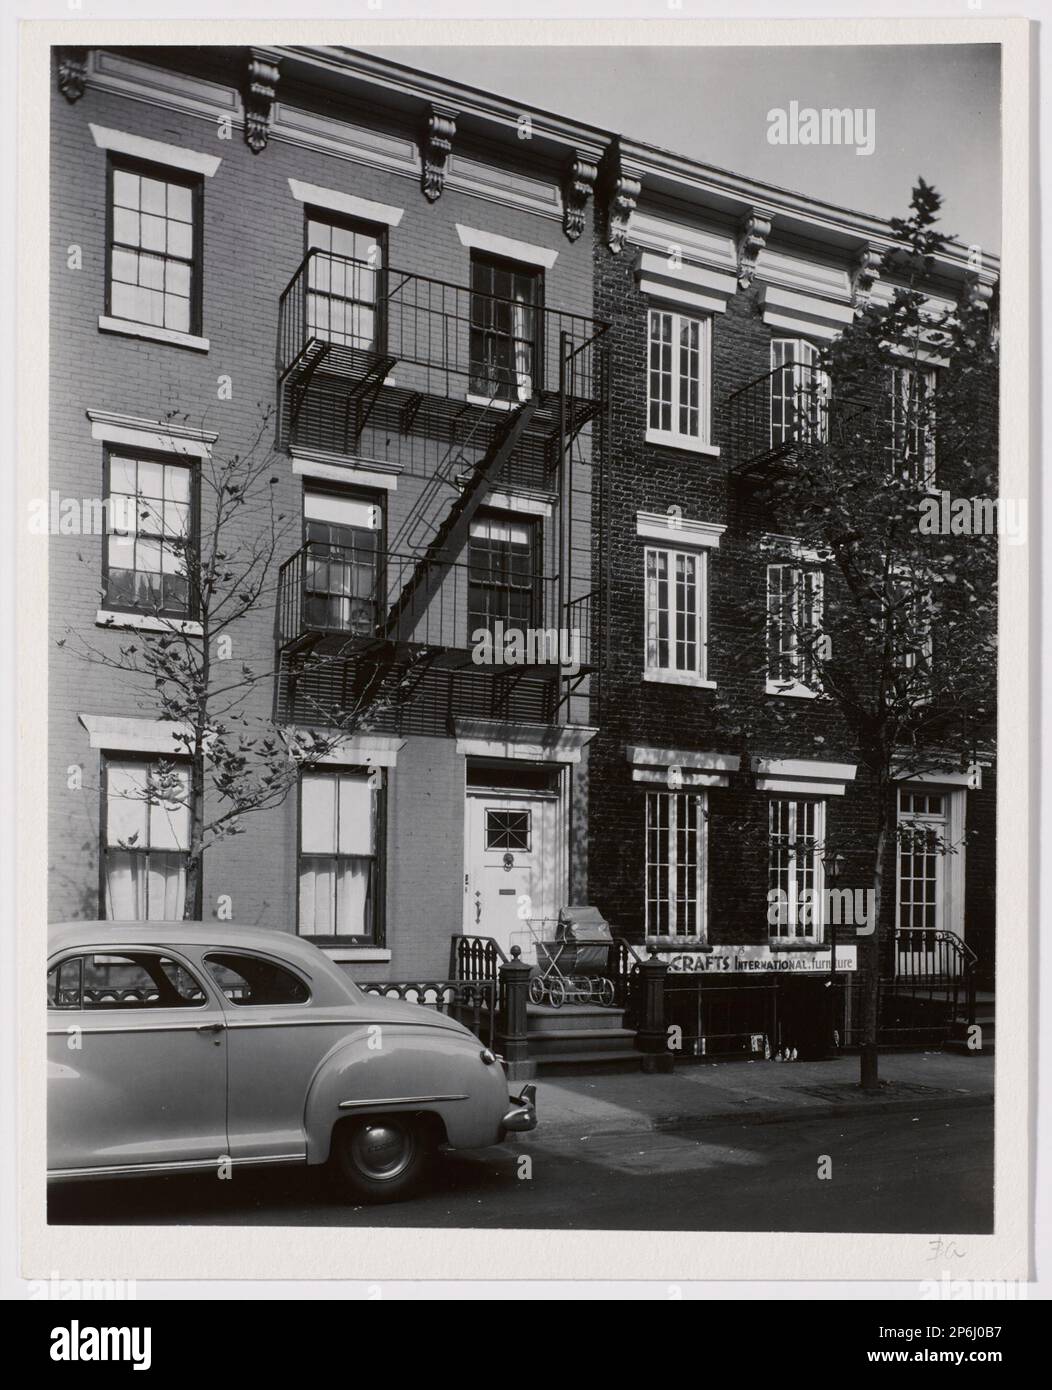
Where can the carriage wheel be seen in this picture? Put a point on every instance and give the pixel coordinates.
(536, 990)
(606, 992)
(556, 994)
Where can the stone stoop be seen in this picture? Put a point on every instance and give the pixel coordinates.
(580, 1035)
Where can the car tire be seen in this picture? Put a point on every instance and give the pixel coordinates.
(382, 1158)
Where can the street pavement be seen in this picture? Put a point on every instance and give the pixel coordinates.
(726, 1146)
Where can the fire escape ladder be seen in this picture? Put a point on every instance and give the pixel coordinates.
(452, 534)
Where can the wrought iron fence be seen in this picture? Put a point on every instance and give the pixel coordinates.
(471, 1002)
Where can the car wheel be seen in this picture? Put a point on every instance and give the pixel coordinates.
(382, 1159)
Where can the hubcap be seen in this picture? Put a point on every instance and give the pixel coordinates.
(382, 1150)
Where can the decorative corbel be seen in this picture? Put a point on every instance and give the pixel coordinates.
(72, 72)
(978, 290)
(624, 185)
(578, 187)
(864, 275)
(756, 228)
(264, 67)
(437, 147)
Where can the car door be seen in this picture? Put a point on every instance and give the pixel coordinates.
(136, 1061)
(276, 1037)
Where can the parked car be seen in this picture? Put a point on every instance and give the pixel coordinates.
(175, 1047)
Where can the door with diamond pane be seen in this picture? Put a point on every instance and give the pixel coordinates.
(511, 867)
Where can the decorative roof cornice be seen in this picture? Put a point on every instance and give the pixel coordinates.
(261, 87)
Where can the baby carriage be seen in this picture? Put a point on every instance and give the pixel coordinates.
(573, 966)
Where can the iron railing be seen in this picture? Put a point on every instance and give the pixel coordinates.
(448, 340)
(340, 591)
(475, 958)
(471, 1002)
(789, 407)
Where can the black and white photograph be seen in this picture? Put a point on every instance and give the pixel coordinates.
(527, 530)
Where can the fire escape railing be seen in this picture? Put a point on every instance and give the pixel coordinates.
(790, 407)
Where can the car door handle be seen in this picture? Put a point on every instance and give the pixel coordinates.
(211, 1028)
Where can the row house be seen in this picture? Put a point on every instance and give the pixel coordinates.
(494, 351)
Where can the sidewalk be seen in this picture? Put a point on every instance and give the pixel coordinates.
(757, 1091)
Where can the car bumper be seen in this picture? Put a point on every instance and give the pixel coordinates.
(523, 1113)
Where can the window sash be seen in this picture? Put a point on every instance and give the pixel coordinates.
(153, 253)
(502, 583)
(795, 597)
(920, 873)
(339, 865)
(145, 846)
(912, 423)
(675, 865)
(800, 393)
(675, 598)
(343, 300)
(506, 339)
(151, 531)
(794, 866)
(679, 350)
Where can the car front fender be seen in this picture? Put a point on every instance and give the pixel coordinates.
(407, 1070)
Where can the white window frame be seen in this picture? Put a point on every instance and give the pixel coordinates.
(950, 880)
(924, 468)
(799, 683)
(671, 673)
(805, 358)
(788, 933)
(676, 800)
(701, 442)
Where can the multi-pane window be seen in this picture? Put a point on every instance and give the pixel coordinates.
(675, 611)
(506, 341)
(145, 838)
(800, 392)
(912, 424)
(675, 890)
(150, 520)
(793, 868)
(344, 538)
(508, 829)
(343, 283)
(922, 831)
(794, 620)
(339, 855)
(154, 251)
(679, 354)
(502, 585)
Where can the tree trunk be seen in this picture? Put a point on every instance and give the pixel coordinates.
(869, 1068)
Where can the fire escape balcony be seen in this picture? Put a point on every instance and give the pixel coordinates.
(383, 363)
(787, 409)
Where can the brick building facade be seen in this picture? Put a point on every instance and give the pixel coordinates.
(474, 438)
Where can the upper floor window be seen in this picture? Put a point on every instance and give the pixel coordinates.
(800, 393)
(502, 580)
(151, 532)
(343, 282)
(154, 247)
(794, 620)
(343, 533)
(912, 423)
(679, 378)
(675, 601)
(146, 838)
(506, 340)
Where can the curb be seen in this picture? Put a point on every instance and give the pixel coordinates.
(667, 1124)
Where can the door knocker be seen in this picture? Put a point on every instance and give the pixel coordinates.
(509, 863)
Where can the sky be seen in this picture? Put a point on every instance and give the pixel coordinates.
(935, 113)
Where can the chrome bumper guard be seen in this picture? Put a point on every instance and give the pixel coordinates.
(523, 1114)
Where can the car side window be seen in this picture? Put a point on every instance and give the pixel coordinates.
(253, 980)
(132, 980)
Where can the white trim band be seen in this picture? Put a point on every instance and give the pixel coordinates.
(654, 765)
(309, 465)
(154, 151)
(148, 622)
(171, 438)
(361, 750)
(127, 734)
(334, 201)
(678, 530)
(477, 240)
(129, 328)
(497, 738)
(689, 287)
(804, 776)
(804, 314)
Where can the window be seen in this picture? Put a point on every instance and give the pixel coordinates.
(249, 980)
(508, 829)
(138, 980)
(502, 583)
(340, 888)
(155, 247)
(922, 837)
(146, 838)
(343, 282)
(506, 341)
(151, 536)
(794, 619)
(675, 864)
(794, 870)
(912, 424)
(800, 392)
(342, 577)
(679, 375)
(675, 612)
(910, 621)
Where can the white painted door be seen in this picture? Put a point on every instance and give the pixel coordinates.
(512, 866)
